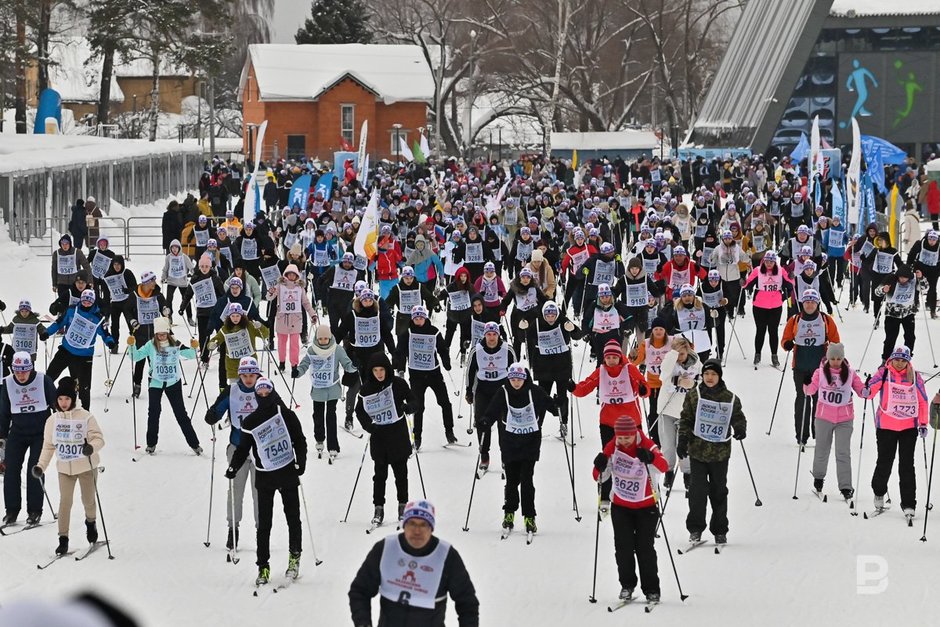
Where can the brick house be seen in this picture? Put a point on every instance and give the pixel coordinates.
(314, 97)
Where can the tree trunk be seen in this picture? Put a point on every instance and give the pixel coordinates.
(556, 86)
(19, 61)
(155, 93)
(104, 96)
(42, 46)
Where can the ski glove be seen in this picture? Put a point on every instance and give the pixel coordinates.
(571, 385)
(230, 473)
(645, 455)
(37, 472)
(922, 431)
(740, 434)
(469, 397)
(682, 449)
(600, 462)
(87, 449)
(211, 417)
(808, 379)
(788, 345)
(350, 378)
(300, 468)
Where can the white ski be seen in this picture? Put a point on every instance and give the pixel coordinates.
(689, 547)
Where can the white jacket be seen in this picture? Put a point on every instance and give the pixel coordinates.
(92, 434)
(671, 398)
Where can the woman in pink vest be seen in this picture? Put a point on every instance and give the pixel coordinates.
(773, 285)
(900, 416)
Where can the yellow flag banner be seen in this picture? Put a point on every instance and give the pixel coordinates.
(893, 215)
(574, 159)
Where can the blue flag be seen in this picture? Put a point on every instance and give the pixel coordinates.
(299, 192)
(838, 201)
(876, 167)
(324, 185)
(801, 150)
(866, 200)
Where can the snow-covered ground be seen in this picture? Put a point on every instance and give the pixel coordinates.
(789, 561)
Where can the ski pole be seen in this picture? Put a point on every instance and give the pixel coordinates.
(858, 470)
(313, 547)
(202, 385)
(799, 455)
(933, 451)
(573, 495)
(473, 486)
(134, 410)
(733, 323)
(930, 344)
(672, 560)
(924, 440)
(597, 538)
(417, 459)
(868, 343)
(104, 527)
(42, 484)
(361, 462)
(286, 385)
(211, 486)
(786, 359)
(110, 382)
(574, 498)
(757, 502)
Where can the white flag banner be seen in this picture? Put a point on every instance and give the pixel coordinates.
(852, 176)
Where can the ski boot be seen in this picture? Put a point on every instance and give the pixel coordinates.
(264, 575)
(817, 485)
(401, 510)
(626, 594)
(774, 361)
(280, 366)
(379, 515)
(294, 372)
(348, 424)
(879, 502)
(150, 449)
(319, 450)
(136, 392)
(197, 450)
(451, 438)
(652, 598)
(563, 431)
(847, 493)
(91, 531)
(508, 520)
(63, 547)
(530, 524)
(721, 538)
(484, 464)
(756, 361)
(10, 518)
(32, 518)
(333, 455)
(695, 537)
(293, 566)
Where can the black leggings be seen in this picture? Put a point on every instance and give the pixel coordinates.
(519, 475)
(291, 501)
(768, 322)
(380, 476)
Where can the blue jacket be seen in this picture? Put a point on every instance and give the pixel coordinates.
(220, 407)
(421, 269)
(93, 315)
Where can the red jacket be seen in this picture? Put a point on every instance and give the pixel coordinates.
(566, 261)
(665, 273)
(659, 462)
(386, 264)
(610, 413)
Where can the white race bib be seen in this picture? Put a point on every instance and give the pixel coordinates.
(322, 370)
(238, 344)
(148, 309)
(66, 263)
(459, 300)
(204, 292)
(69, 438)
(367, 331)
(24, 337)
(343, 279)
(521, 420)
(81, 332)
(551, 342)
(26, 399)
(272, 441)
(712, 420)
(177, 269)
(381, 407)
(99, 265)
(616, 390)
(288, 300)
(408, 299)
(474, 253)
(492, 366)
(629, 477)
(240, 404)
(421, 349)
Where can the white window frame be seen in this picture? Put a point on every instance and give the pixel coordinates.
(351, 138)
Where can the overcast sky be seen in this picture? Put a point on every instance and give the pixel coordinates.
(289, 15)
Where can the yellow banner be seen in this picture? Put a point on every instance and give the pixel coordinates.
(893, 215)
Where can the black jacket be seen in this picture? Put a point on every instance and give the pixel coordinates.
(518, 447)
(285, 477)
(388, 443)
(401, 352)
(455, 581)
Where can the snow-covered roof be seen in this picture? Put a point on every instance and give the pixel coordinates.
(866, 8)
(622, 140)
(77, 81)
(31, 152)
(304, 72)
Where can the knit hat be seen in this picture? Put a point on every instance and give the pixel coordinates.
(811, 295)
(607, 248)
(408, 271)
(248, 365)
(625, 426)
(264, 383)
(490, 327)
(803, 229)
(714, 365)
(835, 351)
(88, 295)
(66, 387)
(517, 371)
(714, 275)
(422, 509)
(526, 272)
(658, 321)
(612, 347)
(419, 311)
(901, 352)
(235, 282)
(489, 266)
(604, 290)
(809, 264)
(202, 219)
(161, 325)
(537, 256)
(686, 289)
(679, 250)
(148, 276)
(349, 257)
(550, 307)
(25, 304)
(22, 362)
(770, 256)
(234, 308)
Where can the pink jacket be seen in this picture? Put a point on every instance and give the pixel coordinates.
(898, 419)
(290, 322)
(831, 397)
(768, 298)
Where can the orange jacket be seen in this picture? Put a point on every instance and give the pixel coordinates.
(610, 413)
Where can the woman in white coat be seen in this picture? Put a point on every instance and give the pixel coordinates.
(681, 370)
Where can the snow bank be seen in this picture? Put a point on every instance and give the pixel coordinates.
(32, 152)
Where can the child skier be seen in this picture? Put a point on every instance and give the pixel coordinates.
(626, 459)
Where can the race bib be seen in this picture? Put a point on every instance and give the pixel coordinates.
(421, 349)
(604, 272)
(343, 279)
(609, 320)
(204, 293)
(69, 438)
(928, 257)
(177, 269)
(629, 477)
(492, 366)
(408, 299)
(288, 300)
(551, 342)
(99, 265)
(24, 337)
(712, 420)
(238, 344)
(474, 253)
(637, 295)
(26, 399)
(367, 331)
(270, 275)
(148, 309)
(202, 238)
(81, 332)
(903, 294)
(164, 366)
(322, 369)
(521, 420)
(66, 264)
(249, 249)
(459, 300)
(381, 407)
(117, 287)
(273, 444)
(523, 251)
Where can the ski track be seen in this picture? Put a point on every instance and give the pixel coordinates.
(785, 551)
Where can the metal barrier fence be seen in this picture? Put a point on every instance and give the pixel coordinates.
(32, 201)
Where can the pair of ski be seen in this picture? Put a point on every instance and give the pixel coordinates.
(505, 533)
(693, 545)
(79, 557)
(375, 525)
(824, 498)
(259, 587)
(18, 529)
(878, 511)
(329, 459)
(648, 606)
